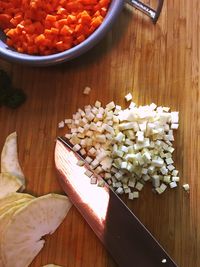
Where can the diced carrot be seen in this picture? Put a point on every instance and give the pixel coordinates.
(92, 29)
(61, 11)
(60, 46)
(54, 30)
(30, 28)
(78, 28)
(103, 11)
(68, 40)
(71, 19)
(86, 30)
(32, 50)
(47, 31)
(97, 21)
(62, 22)
(47, 42)
(20, 49)
(40, 39)
(14, 22)
(97, 13)
(11, 33)
(45, 27)
(9, 42)
(30, 39)
(85, 18)
(81, 38)
(66, 30)
(5, 21)
(51, 18)
(104, 3)
(97, 7)
(20, 27)
(47, 52)
(62, 2)
(56, 24)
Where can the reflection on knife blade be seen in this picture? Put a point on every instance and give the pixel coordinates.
(124, 236)
(81, 185)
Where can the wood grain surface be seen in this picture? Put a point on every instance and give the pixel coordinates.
(157, 63)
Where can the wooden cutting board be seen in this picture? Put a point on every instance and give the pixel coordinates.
(157, 64)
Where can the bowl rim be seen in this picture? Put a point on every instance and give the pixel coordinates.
(34, 60)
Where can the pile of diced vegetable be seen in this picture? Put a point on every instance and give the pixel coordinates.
(46, 27)
(127, 147)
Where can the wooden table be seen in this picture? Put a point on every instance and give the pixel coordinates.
(157, 64)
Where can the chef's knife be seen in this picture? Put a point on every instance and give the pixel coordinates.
(121, 232)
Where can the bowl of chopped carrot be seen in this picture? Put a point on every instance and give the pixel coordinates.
(48, 32)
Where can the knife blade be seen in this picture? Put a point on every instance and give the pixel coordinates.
(123, 235)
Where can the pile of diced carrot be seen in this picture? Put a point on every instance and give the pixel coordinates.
(43, 27)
